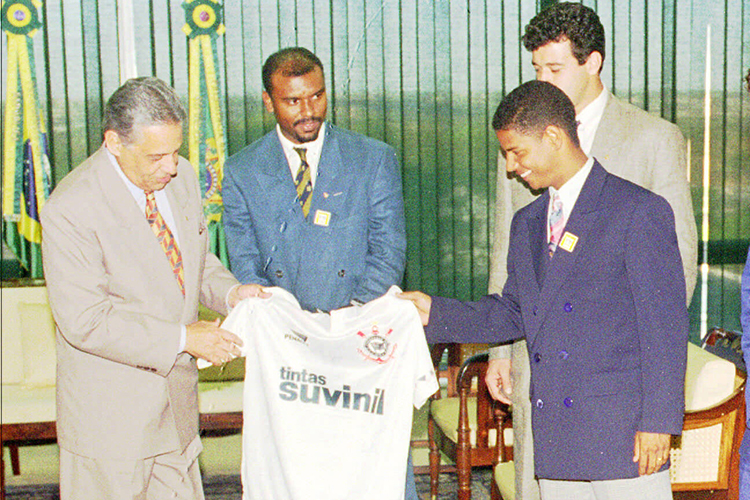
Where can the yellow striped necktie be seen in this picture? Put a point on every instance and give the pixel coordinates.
(303, 181)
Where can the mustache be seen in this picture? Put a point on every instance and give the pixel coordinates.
(302, 121)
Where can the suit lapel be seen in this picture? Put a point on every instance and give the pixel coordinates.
(330, 169)
(537, 224)
(580, 223)
(136, 233)
(611, 131)
(179, 199)
(274, 175)
(530, 260)
(117, 196)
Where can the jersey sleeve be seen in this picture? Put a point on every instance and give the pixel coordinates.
(425, 381)
(239, 322)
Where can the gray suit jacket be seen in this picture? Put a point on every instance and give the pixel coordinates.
(123, 391)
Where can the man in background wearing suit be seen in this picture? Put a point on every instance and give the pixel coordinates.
(568, 46)
(595, 285)
(126, 263)
(310, 207)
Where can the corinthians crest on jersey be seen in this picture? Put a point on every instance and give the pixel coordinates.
(376, 346)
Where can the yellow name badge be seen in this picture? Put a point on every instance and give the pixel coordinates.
(568, 241)
(322, 218)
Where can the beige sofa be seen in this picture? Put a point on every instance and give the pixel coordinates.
(27, 365)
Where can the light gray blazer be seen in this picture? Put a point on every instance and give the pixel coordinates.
(122, 389)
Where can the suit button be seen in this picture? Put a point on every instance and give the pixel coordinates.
(568, 402)
(568, 307)
(342, 273)
(282, 227)
(539, 403)
(274, 248)
(563, 354)
(537, 357)
(279, 273)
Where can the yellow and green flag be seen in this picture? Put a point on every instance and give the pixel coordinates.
(26, 166)
(206, 128)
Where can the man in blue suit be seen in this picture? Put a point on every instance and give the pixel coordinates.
(310, 207)
(595, 285)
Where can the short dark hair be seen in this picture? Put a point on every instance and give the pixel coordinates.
(535, 105)
(291, 61)
(747, 80)
(567, 21)
(142, 101)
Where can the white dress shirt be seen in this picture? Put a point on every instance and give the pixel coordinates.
(312, 155)
(162, 203)
(588, 120)
(569, 192)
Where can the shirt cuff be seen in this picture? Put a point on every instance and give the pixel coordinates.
(183, 338)
(500, 352)
(226, 299)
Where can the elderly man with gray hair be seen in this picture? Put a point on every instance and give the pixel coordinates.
(126, 261)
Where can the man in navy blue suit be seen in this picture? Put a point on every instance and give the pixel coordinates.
(310, 207)
(595, 285)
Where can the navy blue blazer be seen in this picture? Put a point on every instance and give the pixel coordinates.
(605, 323)
(745, 322)
(352, 245)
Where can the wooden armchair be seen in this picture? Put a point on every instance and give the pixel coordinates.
(468, 427)
(705, 459)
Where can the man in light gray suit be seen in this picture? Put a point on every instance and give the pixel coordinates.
(568, 47)
(126, 262)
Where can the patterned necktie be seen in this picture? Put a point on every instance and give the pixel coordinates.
(556, 223)
(303, 181)
(166, 239)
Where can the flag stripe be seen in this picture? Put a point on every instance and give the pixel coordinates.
(11, 130)
(27, 175)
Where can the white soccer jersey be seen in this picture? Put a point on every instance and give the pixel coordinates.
(328, 397)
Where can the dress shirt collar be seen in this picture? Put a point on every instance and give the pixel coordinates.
(162, 201)
(588, 120)
(138, 194)
(569, 191)
(314, 149)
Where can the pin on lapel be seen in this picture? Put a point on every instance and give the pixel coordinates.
(568, 241)
(322, 218)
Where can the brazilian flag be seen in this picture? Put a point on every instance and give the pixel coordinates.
(26, 166)
(206, 128)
